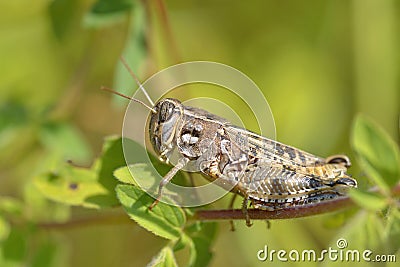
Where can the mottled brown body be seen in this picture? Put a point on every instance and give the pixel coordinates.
(267, 173)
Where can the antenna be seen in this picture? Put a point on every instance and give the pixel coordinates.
(136, 80)
(127, 97)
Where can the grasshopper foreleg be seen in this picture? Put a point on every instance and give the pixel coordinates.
(167, 178)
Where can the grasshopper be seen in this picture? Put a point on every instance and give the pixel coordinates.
(268, 174)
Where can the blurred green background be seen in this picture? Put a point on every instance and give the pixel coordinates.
(318, 64)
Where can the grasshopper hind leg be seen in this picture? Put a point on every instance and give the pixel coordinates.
(167, 178)
(231, 208)
(246, 211)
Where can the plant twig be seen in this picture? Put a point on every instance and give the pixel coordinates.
(287, 213)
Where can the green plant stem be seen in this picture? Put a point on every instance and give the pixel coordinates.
(287, 213)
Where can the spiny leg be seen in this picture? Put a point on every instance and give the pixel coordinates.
(245, 211)
(231, 208)
(167, 178)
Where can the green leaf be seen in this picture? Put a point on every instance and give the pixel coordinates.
(369, 201)
(203, 251)
(93, 187)
(164, 259)
(71, 186)
(182, 242)
(163, 220)
(144, 175)
(186, 241)
(111, 158)
(199, 239)
(139, 171)
(4, 229)
(202, 235)
(138, 160)
(124, 176)
(378, 154)
(107, 12)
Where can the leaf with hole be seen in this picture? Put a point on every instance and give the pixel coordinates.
(71, 186)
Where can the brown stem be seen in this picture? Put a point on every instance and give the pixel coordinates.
(287, 213)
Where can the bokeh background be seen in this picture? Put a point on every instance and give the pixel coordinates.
(318, 63)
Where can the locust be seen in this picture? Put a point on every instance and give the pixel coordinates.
(267, 174)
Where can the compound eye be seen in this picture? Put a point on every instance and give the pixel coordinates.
(166, 111)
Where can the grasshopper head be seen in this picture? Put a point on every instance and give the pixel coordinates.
(163, 125)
